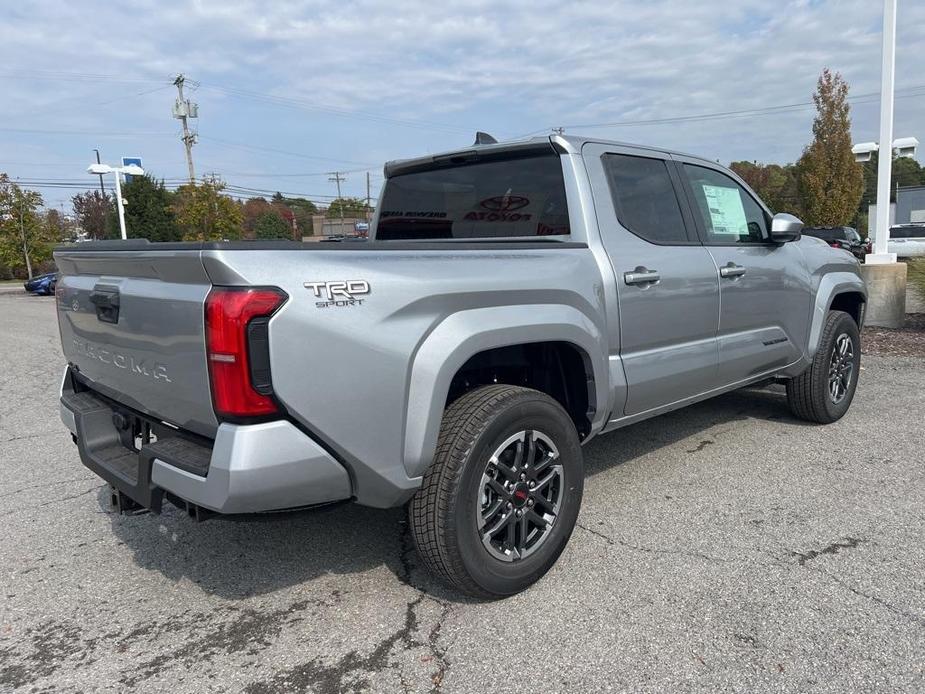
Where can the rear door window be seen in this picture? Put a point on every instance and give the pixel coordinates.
(499, 198)
(645, 198)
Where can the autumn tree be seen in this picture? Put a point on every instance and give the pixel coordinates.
(830, 180)
(57, 227)
(91, 209)
(303, 210)
(24, 239)
(252, 210)
(775, 184)
(204, 213)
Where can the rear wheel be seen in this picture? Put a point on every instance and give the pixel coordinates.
(499, 502)
(823, 393)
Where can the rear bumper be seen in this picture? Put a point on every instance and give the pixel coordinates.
(246, 469)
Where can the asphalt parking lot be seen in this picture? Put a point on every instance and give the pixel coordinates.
(727, 547)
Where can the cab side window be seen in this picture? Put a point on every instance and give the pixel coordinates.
(729, 214)
(645, 199)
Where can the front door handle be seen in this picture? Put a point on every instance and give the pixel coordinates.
(641, 275)
(732, 270)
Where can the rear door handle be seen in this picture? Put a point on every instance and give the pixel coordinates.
(641, 275)
(731, 270)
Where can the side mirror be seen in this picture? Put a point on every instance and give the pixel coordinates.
(785, 227)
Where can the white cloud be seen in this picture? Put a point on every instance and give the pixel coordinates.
(507, 67)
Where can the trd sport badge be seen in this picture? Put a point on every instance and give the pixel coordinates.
(339, 293)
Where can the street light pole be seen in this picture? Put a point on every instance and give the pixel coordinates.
(117, 171)
(881, 254)
(119, 205)
(102, 187)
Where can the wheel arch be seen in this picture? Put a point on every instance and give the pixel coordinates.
(842, 291)
(465, 335)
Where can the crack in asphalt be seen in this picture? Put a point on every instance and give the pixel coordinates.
(347, 674)
(653, 550)
(23, 509)
(42, 485)
(911, 616)
(833, 548)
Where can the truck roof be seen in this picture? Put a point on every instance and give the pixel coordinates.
(566, 144)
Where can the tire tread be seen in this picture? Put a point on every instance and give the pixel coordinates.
(806, 393)
(428, 511)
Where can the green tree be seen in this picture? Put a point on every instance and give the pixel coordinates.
(203, 213)
(347, 207)
(91, 210)
(831, 182)
(24, 239)
(148, 210)
(270, 225)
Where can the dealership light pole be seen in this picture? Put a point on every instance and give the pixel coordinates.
(117, 171)
(884, 277)
(881, 254)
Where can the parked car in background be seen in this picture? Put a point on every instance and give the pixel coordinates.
(42, 284)
(846, 238)
(907, 240)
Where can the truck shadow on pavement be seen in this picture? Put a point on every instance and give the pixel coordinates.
(241, 559)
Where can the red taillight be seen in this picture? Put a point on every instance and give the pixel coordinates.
(228, 312)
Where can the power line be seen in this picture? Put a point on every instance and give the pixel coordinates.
(312, 105)
(95, 133)
(764, 111)
(257, 148)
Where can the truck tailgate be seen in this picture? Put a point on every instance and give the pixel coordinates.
(132, 324)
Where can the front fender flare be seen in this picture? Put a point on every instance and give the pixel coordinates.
(830, 286)
(466, 333)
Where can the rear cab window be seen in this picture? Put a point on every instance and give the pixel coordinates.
(522, 196)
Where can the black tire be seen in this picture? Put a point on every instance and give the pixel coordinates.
(809, 393)
(445, 513)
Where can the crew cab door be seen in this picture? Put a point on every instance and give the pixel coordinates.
(764, 287)
(667, 285)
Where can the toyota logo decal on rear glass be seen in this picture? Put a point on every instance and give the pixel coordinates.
(505, 203)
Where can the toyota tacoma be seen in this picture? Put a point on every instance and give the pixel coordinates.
(513, 301)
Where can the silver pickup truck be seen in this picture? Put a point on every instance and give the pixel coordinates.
(513, 301)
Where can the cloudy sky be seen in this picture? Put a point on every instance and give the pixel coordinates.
(291, 90)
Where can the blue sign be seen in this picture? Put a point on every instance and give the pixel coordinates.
(127, 161)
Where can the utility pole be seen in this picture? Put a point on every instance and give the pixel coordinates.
(559, 131)
(102, 188)
(184, 109)
(337, 178)
(22, 234)
(369, 203)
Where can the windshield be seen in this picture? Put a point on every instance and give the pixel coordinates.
(493, 199)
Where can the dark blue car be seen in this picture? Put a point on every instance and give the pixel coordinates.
(42, 284)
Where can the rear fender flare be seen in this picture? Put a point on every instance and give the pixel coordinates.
(466, 333)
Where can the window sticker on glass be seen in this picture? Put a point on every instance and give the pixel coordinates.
(726, 211)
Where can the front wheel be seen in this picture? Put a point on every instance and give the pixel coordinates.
(499, 503)
(823, 393)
